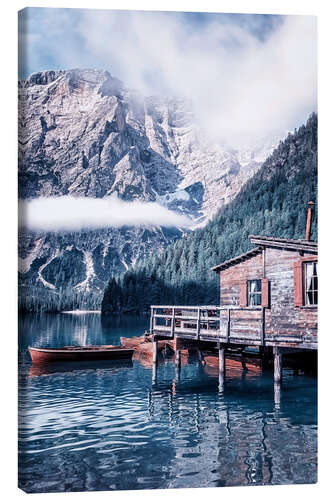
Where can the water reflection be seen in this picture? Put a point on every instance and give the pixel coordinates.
(254, 443)
(277, 395)
(115, 425)
(56, 330)
(40, 370)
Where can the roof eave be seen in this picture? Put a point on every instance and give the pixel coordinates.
(284, 243)
(237, 260)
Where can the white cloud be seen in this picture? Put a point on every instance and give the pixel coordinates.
(242, 88)
(69, 213)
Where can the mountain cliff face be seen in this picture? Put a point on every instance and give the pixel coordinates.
(83, 133)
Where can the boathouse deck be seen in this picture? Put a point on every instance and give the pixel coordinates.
(226, 325)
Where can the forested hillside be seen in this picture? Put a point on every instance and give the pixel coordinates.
(271, 203)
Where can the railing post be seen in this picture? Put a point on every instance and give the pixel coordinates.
(228, 325)
(220, 310)
(154, 319)
(151, 320)
(198, 323)
(263, 327)
(173, 322)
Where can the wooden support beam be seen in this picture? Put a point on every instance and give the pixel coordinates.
(154, 373)
(200, 356)
(221, 359)
(155, 350)
(221, 382)
(277, 364)
(221, 367)
(178, 357)
(277, 395)
(243, 360)
(177, 373)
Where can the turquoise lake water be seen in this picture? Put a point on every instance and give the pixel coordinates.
(117, 426)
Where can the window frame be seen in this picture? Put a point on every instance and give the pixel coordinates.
(255, 294)
(305, 263)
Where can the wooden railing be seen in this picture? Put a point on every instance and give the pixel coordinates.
(228, 324)
(233, 324)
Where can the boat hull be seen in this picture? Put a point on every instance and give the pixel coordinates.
(40, 355)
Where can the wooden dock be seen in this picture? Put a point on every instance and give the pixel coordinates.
(229, 325)
(268, 299)
(223, 328)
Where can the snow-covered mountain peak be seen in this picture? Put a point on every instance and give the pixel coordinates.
(83, 133)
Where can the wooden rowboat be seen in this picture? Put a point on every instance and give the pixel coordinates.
(81, 353)
(132, 342)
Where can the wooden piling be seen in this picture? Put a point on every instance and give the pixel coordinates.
(178, 357)
(199, 354)
(221, 367)
(155, 351)
(277, 364)
(154, 373)
(243, 361)
(221, 359)
(277, 395)
(221, 382)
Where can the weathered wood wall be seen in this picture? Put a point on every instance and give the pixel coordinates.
(282, 318)
(231, 277)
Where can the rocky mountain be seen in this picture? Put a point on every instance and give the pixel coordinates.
(83, 133)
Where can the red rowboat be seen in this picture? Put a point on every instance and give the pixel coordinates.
(84, 353)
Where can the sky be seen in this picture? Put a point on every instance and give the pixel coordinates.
(249, 77)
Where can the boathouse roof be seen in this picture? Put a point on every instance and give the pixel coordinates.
(268, 241)
(239, 258)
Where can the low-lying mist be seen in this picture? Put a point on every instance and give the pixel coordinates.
(69, 213)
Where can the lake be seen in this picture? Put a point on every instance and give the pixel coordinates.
(117, 426)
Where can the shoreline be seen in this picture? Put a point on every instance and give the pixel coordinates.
(81, 311)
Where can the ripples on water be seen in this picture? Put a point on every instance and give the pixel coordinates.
(109, 426)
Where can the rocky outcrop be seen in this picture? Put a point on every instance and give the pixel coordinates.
(83, 133)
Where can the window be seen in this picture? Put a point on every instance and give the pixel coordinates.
(310, 276)
(254, 293)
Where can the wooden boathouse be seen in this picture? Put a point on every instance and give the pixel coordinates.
(268, 298)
